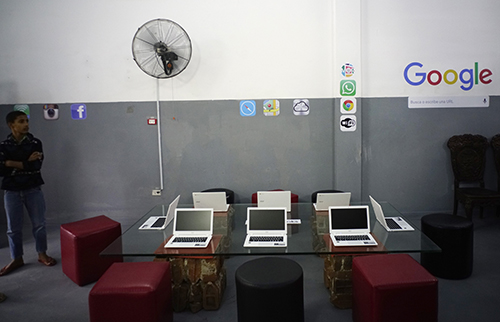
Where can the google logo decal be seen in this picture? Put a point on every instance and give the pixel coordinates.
(468, 77)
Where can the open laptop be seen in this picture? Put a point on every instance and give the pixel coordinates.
(266, 227)
(269, 199)
(215, 200)
(350, 226)
(193, 228)
(325, 200)
(160, 222)
(389, 223)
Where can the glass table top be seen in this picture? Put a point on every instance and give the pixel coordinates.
(311, 236)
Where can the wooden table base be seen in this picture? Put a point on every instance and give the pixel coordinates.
(197, 283)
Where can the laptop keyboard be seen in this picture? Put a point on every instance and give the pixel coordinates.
(190, 239)
(392, 224)
(352, 237)
(266, 238)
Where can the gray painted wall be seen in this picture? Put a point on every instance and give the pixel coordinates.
(405, 158)
(108, 163)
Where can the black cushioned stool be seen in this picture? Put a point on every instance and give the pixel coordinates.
(454, 235)
(270, 289)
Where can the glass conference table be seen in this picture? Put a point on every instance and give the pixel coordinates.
(311, 236)
(201, 271)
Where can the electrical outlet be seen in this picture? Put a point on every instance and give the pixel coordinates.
(156, 192)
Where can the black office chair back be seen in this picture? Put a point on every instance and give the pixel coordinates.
(314, 195)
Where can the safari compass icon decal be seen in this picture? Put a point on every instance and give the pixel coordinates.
(247, 108)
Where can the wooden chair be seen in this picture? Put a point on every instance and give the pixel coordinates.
(495, 144)
(468, 160)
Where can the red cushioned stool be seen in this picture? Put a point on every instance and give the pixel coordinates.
(82, 242)
(392, 287)
(136, 291)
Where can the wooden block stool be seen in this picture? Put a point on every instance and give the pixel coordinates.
(392, 288)
(455, 236)
(82, 242)
(270, 289)
(136, 291)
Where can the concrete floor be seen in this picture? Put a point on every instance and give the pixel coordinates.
(38, 293)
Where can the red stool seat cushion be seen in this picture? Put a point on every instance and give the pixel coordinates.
(393, 287)
(82, 242)
(137, 291)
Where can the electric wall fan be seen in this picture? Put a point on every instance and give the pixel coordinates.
(161, 48)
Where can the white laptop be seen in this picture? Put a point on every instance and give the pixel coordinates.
(160, 222)
(193, 228)
(266, 227)
(325, 200)
(350, 226)
(270, 199)
(215, 200)
(389, 223)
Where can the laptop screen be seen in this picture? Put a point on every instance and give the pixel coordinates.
(268, 199)
(209, 200)
(348, 218)
(193, 220)
(266, 219)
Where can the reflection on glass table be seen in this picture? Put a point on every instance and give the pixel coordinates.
(310, 236)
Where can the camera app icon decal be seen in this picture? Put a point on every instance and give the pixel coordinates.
(51, 112)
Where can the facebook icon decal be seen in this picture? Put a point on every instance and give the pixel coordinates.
(78, 111)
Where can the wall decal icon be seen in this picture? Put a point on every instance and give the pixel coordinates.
(301, 107)
(271, 107)
(79, 111)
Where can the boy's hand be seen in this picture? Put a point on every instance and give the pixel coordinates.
(35, 156)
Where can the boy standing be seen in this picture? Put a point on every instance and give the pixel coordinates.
(21, 157)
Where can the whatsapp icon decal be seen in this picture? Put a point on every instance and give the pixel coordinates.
(348, 87)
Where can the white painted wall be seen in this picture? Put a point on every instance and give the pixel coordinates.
(69, 51)
(440, 34)
(65, 51)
